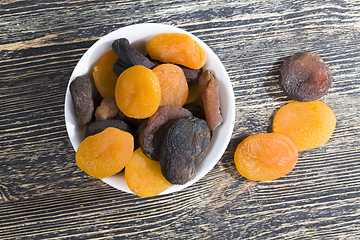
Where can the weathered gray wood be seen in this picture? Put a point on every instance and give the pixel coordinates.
(43, 195)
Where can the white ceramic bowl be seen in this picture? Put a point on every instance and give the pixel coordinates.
(138, 35)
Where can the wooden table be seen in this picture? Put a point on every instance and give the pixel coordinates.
(44, 195)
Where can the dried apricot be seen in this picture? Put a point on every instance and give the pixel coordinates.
(138, 92)
(143, 176)
(307, 124)
(174, 88)
(193, 95)
(176, 48)
(196, 110)
(128, 56)
(305, 77)
(209, 92)
(99, 126)
(184, 146)
(84, 98)
(105, 153)
(104, 76)
(152, 136)
(107, 109)
(265, 156)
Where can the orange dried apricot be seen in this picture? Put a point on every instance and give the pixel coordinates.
(307, 124)
(265, 156)
(104, 76)
(176, 48)
(138, 92)
(173, 84)
(193, 95)
(143, 175)
(106, 153)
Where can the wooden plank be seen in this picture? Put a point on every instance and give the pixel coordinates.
(43, 195)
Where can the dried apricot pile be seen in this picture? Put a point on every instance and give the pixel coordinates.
(265, 156)
(143, 104)
(298, 126)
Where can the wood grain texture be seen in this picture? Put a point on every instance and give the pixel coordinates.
(43, 195)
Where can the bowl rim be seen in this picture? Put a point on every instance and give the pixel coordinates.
(222, 134)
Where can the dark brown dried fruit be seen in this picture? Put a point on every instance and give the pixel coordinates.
(184, 147)
(137, 133)
(305, 77)
(192, 75)
(152, 136)
(117, 68)
(98, 126)
(196, 110)
(209, 91)
(84, 97)
(133, 123)
(128, 56)
(107, 109)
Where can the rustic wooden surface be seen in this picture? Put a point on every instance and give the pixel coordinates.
(43, 195)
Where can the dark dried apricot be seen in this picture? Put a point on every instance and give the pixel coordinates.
(84, 95)
(152, 136)
(305, 77)
(265, 156)
(128, 56)
(196, 110)
(307, 124)
(183, 148)
(99, 126)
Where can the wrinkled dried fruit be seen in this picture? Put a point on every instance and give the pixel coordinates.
(152, 136)
(209, 91)
(183, 148)
(99, 126)
(174, 88)
(192, 75)
(105, 153)
(196, 110)
(107, 109)
(104, 76)
(265, 156)
(117, 68)
(307, 124)
(137, 92)
(137, 133)
(305, 77)
(143, 176)
(133, 123)
(176, 48)
(83, 95)
(128, 56)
